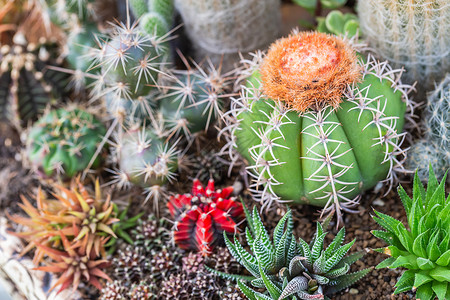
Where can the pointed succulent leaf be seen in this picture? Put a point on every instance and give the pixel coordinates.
(229, 276)
(407, 261)
(319, 264)
(317, 247)
(419, 244)
(336, 243)
(263, 256)
(249, 218)
(261, 232)
(292, 251)
(421, 278)
(258, 283)
(249, 238)
(338, 272)
(248, 292)
(345, 281)
(350, 259)
(386, 263)
(260, 296)
(322, 280)
(432, 184)
(387, 222)
(433, 252)
(419, 194)
(440, 289)
(440, 274)
(306, 251)
(273, 290)
(248, 260)
(296, 267)
(444, 259)
(281, 251)
(294, 286)
(405, 283)
(337, 256)
(278, 231)
(425, 292)
(406, 201)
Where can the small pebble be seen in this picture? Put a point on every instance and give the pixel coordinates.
(353, 291)
(378, 202)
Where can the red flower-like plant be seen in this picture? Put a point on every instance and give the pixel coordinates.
(202, 216)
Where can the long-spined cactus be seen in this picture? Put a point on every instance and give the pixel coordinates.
(220, 29)
(410, 34)
(146, 159)
(318, 123)
(422, 247)
(27, 85)
(285, 269)
(63, 142)
(434, 148)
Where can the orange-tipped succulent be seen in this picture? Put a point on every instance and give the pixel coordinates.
(74, 265)
(309, 70)
(84, 219)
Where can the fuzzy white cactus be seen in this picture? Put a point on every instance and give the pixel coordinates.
(410, 34)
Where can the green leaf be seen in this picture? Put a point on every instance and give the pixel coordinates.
(249, 218)
(444, 259)
(419, 194)
(263, 255)
(425, 263)
(308, 4)
(260, 296)
(421, 278)
(387, 222)
(405, 283)
(317, 247)
(335, 22)
(229, 276)
(386, 236)
(247, 260)
(350, 259)
(385, 263)
(406, 261)
(248, 292)
(281, 251)
(419, 244)
(432, 184)
(407, 202)
(433, 251)
(294, 286)
(273, 290)
(336, 243)
(333, 4)
(345, 281)
(440, 289)
(278, 231)
(261, 232)
(338, 271)
(337, 256)
(425, 292)
(306, 251)
(440, 274)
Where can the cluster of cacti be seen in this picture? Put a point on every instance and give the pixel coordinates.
(27, 85)
(434, 148)
(285, 269)
(64, 142)
(318, 123)
(410, 34)
(71, 230)
(423, 248)
(203, 215)
(210, 25)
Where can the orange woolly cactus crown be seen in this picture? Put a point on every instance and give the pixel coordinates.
(309, 70)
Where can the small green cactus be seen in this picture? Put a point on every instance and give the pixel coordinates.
(146, 158)
(424, 247)
(310, 138)
(63, 142)
(339, 24)
(27, 82)
(286, 269)
(192, 102)
(434, 148)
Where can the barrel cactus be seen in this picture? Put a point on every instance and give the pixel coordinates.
(422, 247)
(318, 123)
(410, 34)
(63, 142)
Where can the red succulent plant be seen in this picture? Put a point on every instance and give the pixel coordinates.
(202, 216)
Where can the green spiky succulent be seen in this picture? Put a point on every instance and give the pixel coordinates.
(424, 247)
(290, 270)
(63, 142)
(122, 227)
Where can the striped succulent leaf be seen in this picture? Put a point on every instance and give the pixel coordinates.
(423, 248)
(287, 269)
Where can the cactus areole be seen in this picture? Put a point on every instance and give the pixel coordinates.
(318, 123)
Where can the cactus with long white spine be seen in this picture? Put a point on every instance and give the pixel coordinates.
(410, 34)
(318, 124)
(434, 148)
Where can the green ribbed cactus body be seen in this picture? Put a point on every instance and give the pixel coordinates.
(64, 141)
(410, 34)
(349, 134)
(312, 143)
